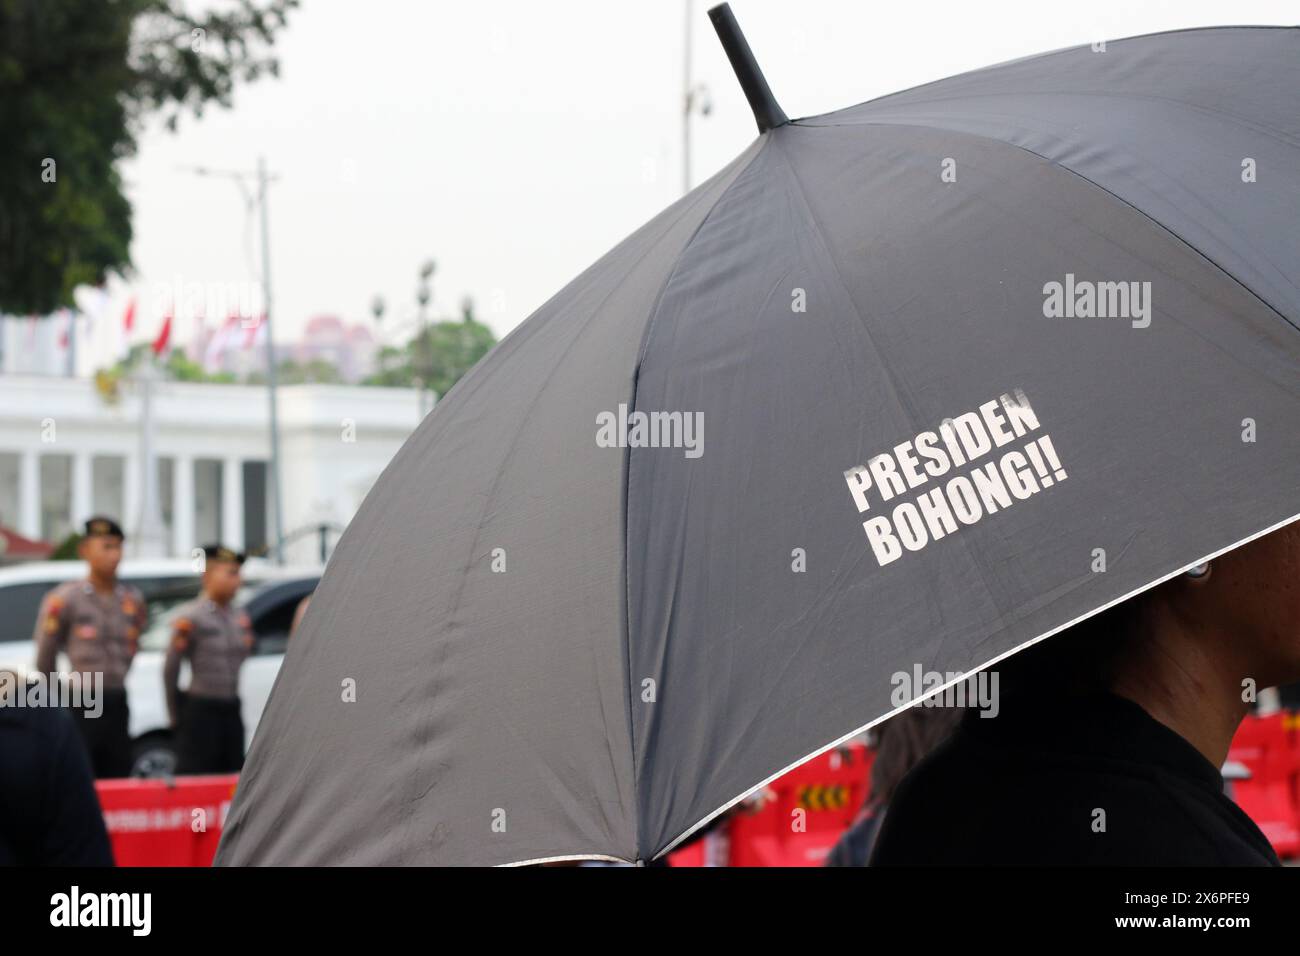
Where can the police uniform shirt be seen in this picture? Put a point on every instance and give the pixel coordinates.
(99, 632)
(216, 640)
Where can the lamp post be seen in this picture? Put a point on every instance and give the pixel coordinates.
(423, 293)
(261, 179)
(695, 98)
(277, 525)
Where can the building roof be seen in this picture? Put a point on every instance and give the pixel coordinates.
(14, 545)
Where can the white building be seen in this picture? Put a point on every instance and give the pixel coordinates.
(67, 453)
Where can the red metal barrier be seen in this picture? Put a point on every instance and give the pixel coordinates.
(1269, 747)
(166, 823)
(796, 820)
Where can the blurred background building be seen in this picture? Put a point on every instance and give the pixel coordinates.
(68, 451)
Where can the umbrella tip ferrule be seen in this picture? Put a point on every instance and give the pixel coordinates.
(767, 111)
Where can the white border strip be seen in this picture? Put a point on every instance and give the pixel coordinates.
(567, 859)
(938, 690)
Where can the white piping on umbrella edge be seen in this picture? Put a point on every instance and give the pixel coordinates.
(939, 690)
(567, 859)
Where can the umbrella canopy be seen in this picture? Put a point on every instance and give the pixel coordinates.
(901, 390)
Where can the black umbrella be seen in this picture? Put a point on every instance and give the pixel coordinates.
(900, 391)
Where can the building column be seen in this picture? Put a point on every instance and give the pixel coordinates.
(232, 503)
(183, 505)
(131, 479)
(29, 495)
(83, 494)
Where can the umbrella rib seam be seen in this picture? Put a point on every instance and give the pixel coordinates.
(627, 474)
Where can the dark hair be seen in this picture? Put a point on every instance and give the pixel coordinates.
(1082, 659)
(903, 741)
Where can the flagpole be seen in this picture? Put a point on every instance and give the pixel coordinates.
(72, 343)
(149, 540)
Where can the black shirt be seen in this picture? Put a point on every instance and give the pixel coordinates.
(1091, 781)
(49, 813)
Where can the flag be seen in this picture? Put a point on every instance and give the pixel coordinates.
(160, 343)
(104, 341)
(255, 334)
(219, 343)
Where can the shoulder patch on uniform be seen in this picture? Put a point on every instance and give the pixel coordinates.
(54, 605)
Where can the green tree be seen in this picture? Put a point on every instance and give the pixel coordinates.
(182, 368)
(440, 356)
(77, 80)
(177, 366)
(66, 550)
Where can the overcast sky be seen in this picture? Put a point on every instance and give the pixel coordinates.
(516, 141)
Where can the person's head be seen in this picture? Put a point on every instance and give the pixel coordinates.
(101, 548)
(1247, 602)
(1240, 613)
(222, 570)
(905, 740)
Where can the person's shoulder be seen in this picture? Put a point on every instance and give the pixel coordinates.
(63, 593)
(55, 604)
(935, 813)
(46, 728)
(1184, 824)
(188, 615)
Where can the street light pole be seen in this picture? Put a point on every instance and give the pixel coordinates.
(277, 525)
(263, 179)
(695, 98)
(424, 351)
(686, 103)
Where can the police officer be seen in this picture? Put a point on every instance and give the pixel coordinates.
(98, 623)
(215, 638)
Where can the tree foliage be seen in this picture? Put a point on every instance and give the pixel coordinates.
(438, 357)
(77, 80)
(176, 366)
